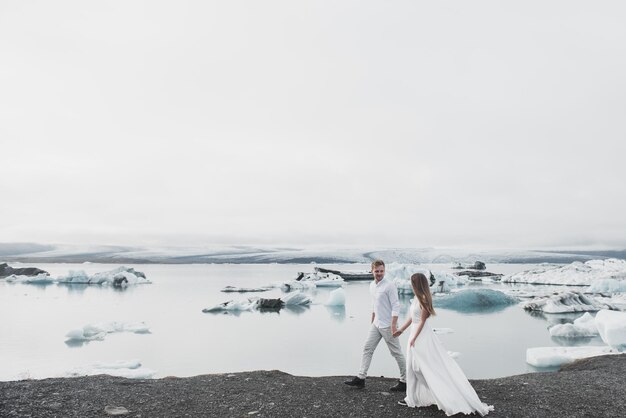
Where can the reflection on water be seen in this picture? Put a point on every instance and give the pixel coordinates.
(337, 313)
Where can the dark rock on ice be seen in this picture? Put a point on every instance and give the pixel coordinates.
(6, 270)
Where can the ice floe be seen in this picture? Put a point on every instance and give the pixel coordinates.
(336, 298)
(584, 326)
(612, 327)
(42, 278)
(322, 279)
(291, 285)
(129, 369)
(99, 330)
(607, 286)
(119, 277)
(297, 299)
(245, 289)
(474, 300)
(443, 330)
(558, 356)
(441, 281)
(566, 302)
(575, 274)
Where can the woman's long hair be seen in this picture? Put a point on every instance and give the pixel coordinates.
(419, 282)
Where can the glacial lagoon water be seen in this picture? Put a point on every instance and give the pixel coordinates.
(314, 341)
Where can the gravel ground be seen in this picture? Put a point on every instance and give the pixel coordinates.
(589, 388)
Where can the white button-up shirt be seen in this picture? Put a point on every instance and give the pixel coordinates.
(385, 303)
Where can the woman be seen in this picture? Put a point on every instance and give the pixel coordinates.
(432, 376)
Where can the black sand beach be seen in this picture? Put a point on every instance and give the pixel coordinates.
(593, 387)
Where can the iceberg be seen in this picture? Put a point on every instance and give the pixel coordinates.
(129, 369)
(607, 286)
(42, 278)
(119, 277)
(558, 356)
(566, 302)
(584, 326)
(322, 279)
(574, 274)
(337, 298)
(291, 285)
(474, 300)
(612, 327)
(245, 289)
(297, 299)
(98, 331)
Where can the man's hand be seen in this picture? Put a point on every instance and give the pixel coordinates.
(394, 330)
(397, 333)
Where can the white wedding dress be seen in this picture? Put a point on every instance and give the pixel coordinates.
(434, 378)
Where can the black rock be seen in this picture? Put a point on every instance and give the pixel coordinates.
(6, 270)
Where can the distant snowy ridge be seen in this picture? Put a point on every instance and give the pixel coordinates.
(238, 254)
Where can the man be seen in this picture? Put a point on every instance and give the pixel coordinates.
(385, 309)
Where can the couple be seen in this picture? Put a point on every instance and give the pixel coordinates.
(431, 376)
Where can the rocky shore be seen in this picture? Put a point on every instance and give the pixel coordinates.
(593, 387)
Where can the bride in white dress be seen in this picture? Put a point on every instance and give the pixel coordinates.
(432, 376)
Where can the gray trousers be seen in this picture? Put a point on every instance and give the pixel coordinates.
(374, 337)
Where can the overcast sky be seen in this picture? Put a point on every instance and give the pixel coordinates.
(354, 123)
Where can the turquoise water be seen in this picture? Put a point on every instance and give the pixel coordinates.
(184, 341)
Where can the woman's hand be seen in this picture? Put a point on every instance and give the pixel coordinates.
(397, 333)
(412, 342)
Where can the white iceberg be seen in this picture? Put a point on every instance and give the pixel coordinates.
(297, 298)
(41, 278)
(574, 274)
(584, 326)
(612, 327)
(129, 369)
(566, 302)
(323, 279)
(336, 298)
(291, 285)
(558, 356)
(474, 300)
(98, 331)
(607, 286)
(119, 277)
(245, 289)
(231, 305)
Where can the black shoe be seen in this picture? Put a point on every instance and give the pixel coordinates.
(356, 381)
(399, 387)
(402, 403)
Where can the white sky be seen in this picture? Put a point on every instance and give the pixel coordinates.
(404, 123)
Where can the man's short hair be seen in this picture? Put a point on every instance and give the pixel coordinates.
(377, 263)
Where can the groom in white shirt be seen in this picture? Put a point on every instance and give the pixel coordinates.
(385, 309)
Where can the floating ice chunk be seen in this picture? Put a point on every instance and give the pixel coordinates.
(42, 278)
(576, 273)
(443, 281)
(558, 356)
(474, 300)
(231, 305)
(297, 298)
(119, 277)
(584, 326)
(612, 327)
(337, 298)
(454, 354)
(566, 302)
(245, 289)
(443, 330)
(129, 369)
(292, 285)
(607, 286)
(323, 279)
(98, 331)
